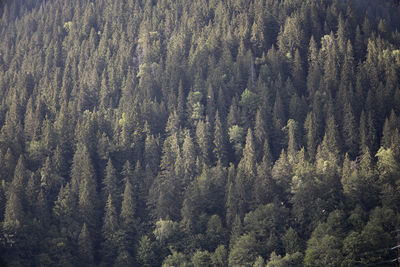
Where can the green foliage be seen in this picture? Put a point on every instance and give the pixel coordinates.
(295, 259)
(236, 135)
(201, 258)
(85, 247)
(244, 251)
(165, 229)
(220, 257)
(147, 252)
(175, 259)
(119, 119)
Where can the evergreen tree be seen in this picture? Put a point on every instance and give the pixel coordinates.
(220, 142)
(151, 154)
(350, 133)
(110, 184)
(203, 137)
(189, 159)
(85, 248)
(149, 102)
(110, 233)
(147, 252)
(243, 253)
(128, 220)
(263, 184)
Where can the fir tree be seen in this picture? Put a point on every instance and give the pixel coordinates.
(110, 233)
(85, 248)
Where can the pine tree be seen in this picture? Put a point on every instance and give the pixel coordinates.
(341, 35)
(110, 233)
(244, 251)
(260, 130)
(210, 107)
(203, 138)
(88, 201)
(147, 252)
(14, 215)
(189, 158)
(42, 210)
(220, 141)
(281, 173)
(364, 144)
(350, 133)
(291, 127)
(13, 231)
(298, 73)
(279, 118)
(248, 161)
(50, 180)
(263, 184)
(386, 134)
(110, 183)
(314, 72)
(152, 154)
(309, 126)
(65, 210)
(180, 109)
(85, 248)
(246, 173)
(291, 241)
(20, 178)
(231, 205)
(330, 143)
(128, 220)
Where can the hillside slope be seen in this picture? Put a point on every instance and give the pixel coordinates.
(199, 133)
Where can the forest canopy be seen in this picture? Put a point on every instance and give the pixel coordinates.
(199, 133)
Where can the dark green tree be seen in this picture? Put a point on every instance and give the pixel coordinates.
(85, 248)
(110, 233)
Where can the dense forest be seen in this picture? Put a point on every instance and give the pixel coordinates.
(199, 133)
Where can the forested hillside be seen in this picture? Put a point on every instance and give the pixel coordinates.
(199, 133)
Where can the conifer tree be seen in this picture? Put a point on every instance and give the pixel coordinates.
(85, 248)
(128, 220)
(204, 142)
(231, 205)
(309, 126)
(279, 118)
(330, 143)
(260, 130)
(350, 133)
(298, 73)
(110, 183)
(281, 173)
(14, 214)
(88, 203)
(64, 210)
(13, 230)
(314, 74)
(110, 233)
(291, 127)
(263, 183)
(151, 154)
(154, 89)
(220, 141)
(189, 158)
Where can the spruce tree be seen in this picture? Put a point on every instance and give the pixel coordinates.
(204, 141)
(350, 133)
(110, 233)
(128, 219)
(85, 248)
(110, 183)
(220, 140)
(189, 158)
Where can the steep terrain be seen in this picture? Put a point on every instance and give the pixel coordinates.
(199, 133)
